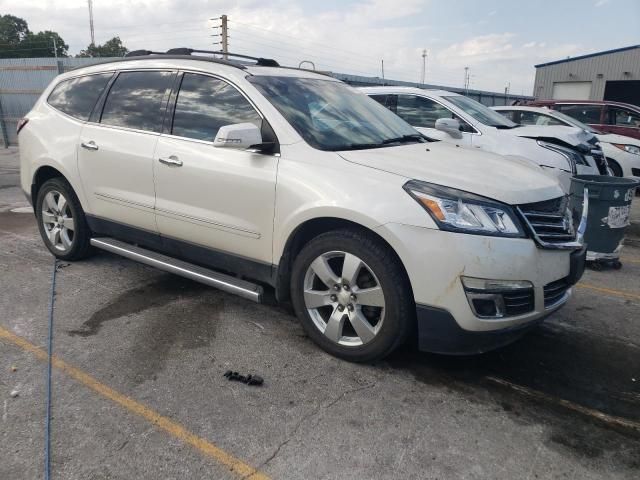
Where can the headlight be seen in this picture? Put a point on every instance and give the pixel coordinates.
(459, 211)
(628, 148)
(572, 156)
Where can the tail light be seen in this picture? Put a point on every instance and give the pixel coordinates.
(21, 123)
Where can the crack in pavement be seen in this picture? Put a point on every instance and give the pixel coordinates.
(317, 410)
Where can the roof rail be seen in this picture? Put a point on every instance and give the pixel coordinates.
(263, 62)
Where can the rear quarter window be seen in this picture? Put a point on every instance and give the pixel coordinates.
(77, 96)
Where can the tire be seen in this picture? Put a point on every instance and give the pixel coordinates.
(616, 170)
(378, 311)
(64, 216)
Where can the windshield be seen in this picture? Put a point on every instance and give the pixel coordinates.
(481, 113)
(330, 115)
(574, 122)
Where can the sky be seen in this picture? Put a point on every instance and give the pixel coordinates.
(499, 40)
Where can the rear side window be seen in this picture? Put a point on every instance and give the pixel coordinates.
(78, 96)
(533, 118)
(623, 117)
(136, 100)
(205, 104)
(584, 113)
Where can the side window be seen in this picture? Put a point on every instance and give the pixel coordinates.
(584, 113)
(623, 117)
(510, 114)
(533, 118)
(420, 111)
(78, 96)
(381, 99)
(136, 100)
(205, 104)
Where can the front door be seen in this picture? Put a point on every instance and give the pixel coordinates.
(115, 155)
(221, 199)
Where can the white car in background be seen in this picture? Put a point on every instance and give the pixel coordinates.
(622, 153)
(451, 117)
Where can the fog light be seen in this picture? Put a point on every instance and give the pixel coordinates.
(498, 298)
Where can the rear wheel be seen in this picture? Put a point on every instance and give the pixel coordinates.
(352, 295)
(61, 220)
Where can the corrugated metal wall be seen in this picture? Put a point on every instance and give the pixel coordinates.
(597, 70)
(22, 80)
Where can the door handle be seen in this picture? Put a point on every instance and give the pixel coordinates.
(172, 161)
(90, 145)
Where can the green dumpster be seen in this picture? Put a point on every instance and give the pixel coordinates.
(608, 215)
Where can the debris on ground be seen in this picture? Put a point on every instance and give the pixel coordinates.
(255, 380)
(14, 393)
(14, 368)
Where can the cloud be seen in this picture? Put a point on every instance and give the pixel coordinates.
(601, 3)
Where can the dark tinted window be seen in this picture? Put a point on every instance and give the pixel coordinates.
(623, 117)
(135, 100)
(584, 113)
(78, 96)
(205, 104)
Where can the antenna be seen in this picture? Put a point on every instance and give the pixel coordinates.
(93, 40)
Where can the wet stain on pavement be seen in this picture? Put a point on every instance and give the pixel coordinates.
(156, 294)
(11, 222)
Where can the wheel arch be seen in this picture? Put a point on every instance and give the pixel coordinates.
(615, 163)
(308, 230)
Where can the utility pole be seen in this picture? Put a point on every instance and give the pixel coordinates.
(466, 80)
(224, 32)
(382, 65)
(507, 89)
(424, 64)
(55, 48)
(93, 40)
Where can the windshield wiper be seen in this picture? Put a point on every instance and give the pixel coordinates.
(405, 138)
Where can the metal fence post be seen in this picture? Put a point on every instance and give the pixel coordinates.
(3, 127)
(60, 67)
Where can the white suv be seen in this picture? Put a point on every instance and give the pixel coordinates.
(451, 117)
(251, 176)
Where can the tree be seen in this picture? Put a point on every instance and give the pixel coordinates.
(17, 41)
(110, 48)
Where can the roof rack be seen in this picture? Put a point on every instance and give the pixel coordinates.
(262, 62)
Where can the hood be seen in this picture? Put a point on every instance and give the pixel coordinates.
(615, 138)
(572, 136)
(508, 180)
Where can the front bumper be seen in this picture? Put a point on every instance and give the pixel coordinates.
(436, 260)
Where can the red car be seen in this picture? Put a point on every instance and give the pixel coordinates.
(609, 117)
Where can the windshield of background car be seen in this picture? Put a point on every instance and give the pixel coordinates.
(575, 123)
(330, 115)
(480, 112)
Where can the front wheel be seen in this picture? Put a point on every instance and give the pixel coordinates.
(61, 220)
(352, 295)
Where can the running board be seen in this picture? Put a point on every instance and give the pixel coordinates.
(227, 283)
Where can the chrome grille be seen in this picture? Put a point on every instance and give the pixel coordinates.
(549, 221)
(555, 292)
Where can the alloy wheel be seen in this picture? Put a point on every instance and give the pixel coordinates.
(57, 220)
(344, 298)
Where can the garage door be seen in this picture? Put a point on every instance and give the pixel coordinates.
(571, 90)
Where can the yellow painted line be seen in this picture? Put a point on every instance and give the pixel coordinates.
(596, 414)
(163, 423)
(610, 291)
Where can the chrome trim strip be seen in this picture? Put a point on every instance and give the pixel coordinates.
(223, 282)
(210, 223)
(110, 198)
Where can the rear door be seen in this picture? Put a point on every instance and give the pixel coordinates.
(221, 199)
(115, 151)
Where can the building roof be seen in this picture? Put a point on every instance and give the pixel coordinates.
(596, 54)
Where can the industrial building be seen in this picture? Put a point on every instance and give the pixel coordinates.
(609, 75)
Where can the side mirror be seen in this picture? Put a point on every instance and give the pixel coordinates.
(239, 135)
(450, 126)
